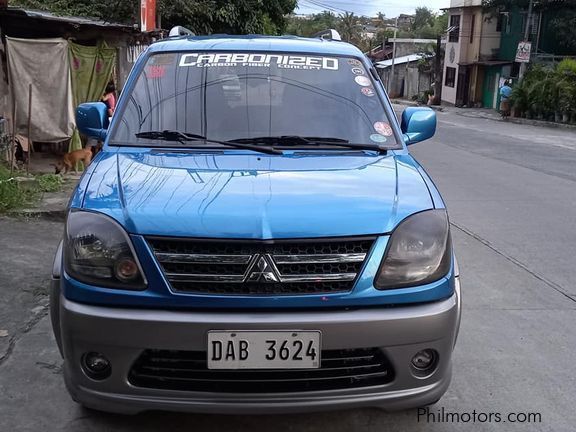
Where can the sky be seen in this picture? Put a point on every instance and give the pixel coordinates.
(390, 8)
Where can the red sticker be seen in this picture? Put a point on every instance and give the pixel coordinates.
(383, 128)
(155, 71)
(367, 91)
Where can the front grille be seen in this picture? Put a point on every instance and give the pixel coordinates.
(261, 268)
(187, 371)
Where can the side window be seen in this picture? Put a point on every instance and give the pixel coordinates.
(450, 77)
(454, 28)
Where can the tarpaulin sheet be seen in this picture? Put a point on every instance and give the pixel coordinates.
(44, 64)
(91, 69)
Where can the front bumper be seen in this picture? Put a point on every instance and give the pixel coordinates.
(122, 335)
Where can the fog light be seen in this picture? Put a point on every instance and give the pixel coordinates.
(126, 269)
(96, 366)
(425, 360)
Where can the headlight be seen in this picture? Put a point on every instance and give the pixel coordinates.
(98, 252)
(419, 251)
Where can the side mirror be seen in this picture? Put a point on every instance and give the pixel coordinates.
(418, 124)
(92, 119)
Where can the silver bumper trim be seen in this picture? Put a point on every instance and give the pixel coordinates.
(122, 334)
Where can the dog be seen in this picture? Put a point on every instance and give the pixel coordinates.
(19, 154)
(70, 160)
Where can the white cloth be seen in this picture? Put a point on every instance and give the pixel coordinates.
(43, 63)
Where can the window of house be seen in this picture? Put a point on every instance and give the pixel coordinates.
(499, 22)
(472, 23)
(454, 28)
(450, 77)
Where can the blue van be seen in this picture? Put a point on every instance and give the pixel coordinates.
(255, 237)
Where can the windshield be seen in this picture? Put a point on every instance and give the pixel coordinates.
(232, 96)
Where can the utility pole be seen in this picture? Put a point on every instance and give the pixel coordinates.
(391, 76)
(438, 71)
(523, 66)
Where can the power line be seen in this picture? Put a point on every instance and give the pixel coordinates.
(328, 6)
(315, 4)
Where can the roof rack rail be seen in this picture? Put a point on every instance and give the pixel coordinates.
(328, 34)
(180, 31)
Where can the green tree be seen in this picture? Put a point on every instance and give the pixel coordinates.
(348, 27)
(201, 16)
(441, 23)
(423, 17)
(308, 26)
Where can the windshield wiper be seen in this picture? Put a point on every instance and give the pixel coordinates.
(293, 140)
(183, 137)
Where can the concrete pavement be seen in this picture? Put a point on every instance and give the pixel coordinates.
(511, 193)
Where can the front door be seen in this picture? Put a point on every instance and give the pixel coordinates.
(462, 92)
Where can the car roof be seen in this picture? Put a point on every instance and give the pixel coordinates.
(255, 43)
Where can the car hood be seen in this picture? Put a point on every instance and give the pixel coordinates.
(239, 195)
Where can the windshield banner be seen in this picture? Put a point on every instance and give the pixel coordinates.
(259, 60)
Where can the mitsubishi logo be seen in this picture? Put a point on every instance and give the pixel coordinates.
(263, 270)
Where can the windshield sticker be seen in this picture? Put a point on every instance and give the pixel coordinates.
(383, 128)
(378, 138)
(259, 60)
(367, 91)
(357, 71)
(354, 62)
(162, 59)
(363, 81)
(155, 71)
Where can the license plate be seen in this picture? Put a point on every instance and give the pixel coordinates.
(263, 349)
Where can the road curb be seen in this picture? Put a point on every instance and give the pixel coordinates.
(55, 215)
(541, 123)
(515, 120)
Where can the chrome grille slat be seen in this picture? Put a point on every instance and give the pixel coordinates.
(319, 277)
(178, 277)
(202, 258)
(319, 259)
(240, 278)
(261, 268)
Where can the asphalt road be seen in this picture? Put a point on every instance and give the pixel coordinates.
(511, 193)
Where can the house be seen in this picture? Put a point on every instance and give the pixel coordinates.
(472, 62)
(31, 24)
(481, 50)
(547, 45)
(380, 52)
(409, 78)
(59, 61)
(369, 31)
(405, 21)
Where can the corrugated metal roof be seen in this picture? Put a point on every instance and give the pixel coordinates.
(399, 60)
(66, 19)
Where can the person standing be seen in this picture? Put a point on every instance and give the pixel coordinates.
(109, 98)
(505, 94)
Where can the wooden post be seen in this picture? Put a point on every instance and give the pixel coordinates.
(29, 128)
(13, 147)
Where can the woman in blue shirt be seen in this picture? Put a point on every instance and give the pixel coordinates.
(505, 93)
